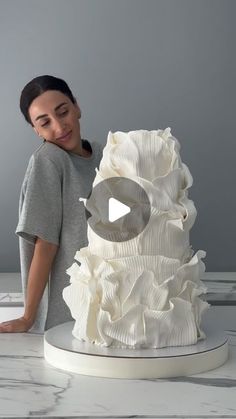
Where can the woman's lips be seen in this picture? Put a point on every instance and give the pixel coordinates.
(65, 137)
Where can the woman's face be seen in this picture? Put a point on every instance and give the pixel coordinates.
(56, 119)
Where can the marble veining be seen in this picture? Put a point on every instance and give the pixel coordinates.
(29, 387)
(11, 297)
(215, 382)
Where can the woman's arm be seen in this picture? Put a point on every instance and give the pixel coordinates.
(40, 268)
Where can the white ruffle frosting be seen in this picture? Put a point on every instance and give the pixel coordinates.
(144, 292)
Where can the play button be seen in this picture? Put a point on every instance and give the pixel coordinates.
(117, 209)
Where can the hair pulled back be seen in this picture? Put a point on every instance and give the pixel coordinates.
(39, 85)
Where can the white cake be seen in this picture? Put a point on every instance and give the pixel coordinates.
(144, 292)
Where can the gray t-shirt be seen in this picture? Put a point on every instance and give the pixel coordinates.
(49, 208)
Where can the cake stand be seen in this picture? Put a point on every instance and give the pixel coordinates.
(63, 351)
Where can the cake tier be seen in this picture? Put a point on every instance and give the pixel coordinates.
(142, 153)
(162, 236)
(167, 232)
(167, 194)
(137, 301)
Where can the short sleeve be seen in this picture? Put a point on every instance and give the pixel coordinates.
(40, 204)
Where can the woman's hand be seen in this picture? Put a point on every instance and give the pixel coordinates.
(16, 325)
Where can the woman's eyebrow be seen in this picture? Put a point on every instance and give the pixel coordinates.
(55, 109)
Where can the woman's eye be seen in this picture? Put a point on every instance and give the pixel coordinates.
(64, 113)
(61, 114)
(46, 123)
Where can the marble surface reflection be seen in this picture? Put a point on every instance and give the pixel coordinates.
(32, 388)
(29, 387)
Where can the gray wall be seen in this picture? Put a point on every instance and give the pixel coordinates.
(132, 64)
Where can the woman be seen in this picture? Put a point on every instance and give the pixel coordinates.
(52, 223)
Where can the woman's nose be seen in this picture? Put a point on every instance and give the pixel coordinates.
(58, 126)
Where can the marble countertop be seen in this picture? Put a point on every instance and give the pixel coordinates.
(30, 387)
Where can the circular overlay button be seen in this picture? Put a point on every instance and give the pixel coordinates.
(118, 209)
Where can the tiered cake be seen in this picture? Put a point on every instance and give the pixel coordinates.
(144, 292)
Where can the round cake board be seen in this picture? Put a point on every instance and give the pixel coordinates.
(62, 350)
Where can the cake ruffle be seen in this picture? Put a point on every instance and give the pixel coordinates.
(140, 301)
(146, 148)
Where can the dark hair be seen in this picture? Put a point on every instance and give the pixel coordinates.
(39, 85)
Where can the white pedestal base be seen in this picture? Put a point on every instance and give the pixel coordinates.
(63, 351)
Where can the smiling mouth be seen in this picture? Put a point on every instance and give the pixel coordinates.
(65, 137)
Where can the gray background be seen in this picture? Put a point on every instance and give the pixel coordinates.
(132, 64)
